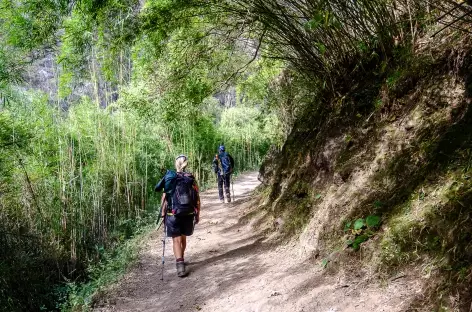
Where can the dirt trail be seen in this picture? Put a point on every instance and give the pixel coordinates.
(234, 268)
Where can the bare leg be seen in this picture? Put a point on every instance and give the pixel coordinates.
(177, 247)
(183, 244)
(178, 244)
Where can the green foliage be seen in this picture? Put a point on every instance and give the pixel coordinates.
(83, 181)
(255, 88)
(358, 240)
(347, 226)
(359, 224)
(325, 39)
(9, 69)
(378, 104)
(324, 263)
(372, 221)
(361, 230)
(393, 79)
(112, 265)
(32, 23)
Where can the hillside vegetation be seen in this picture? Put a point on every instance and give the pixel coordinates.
(362, 108)
(402, 162)
(374, 177)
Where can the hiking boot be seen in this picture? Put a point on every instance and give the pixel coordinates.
(222, 201)
(181, 269)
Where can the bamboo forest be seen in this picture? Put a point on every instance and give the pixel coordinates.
(91, 118)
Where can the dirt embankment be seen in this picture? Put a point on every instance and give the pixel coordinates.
(397, 148)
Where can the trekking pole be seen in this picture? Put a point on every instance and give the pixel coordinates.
(163, 250)
(160, 219)
(232, 187)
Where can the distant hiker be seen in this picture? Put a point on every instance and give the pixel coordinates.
(180, 208)
(223, 165)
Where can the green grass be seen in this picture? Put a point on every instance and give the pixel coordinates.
(76, 296)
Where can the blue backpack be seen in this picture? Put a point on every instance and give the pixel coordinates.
(227, 162)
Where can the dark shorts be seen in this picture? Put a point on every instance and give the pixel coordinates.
(177, 226)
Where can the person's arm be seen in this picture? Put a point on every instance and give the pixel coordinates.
(163, 205)
(160, 185)
(214, 164)
(197, 209)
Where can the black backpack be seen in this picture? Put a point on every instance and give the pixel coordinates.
(184, 197)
